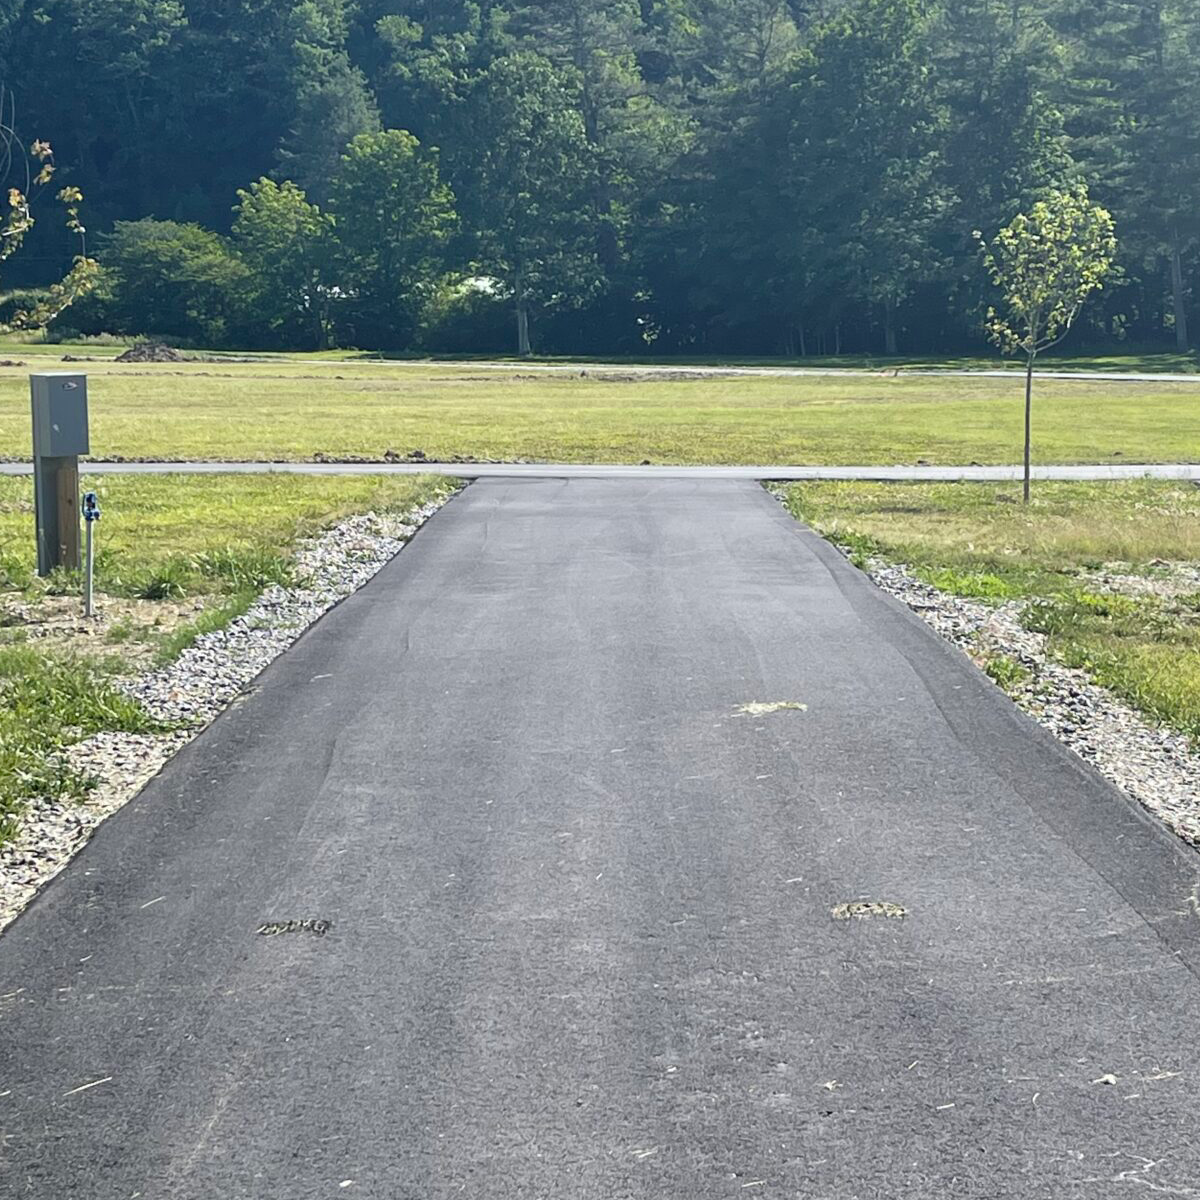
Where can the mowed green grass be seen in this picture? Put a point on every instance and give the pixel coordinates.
(978, 540)
(295, 411)
(161, 539)
(209, 532)
(108, 346)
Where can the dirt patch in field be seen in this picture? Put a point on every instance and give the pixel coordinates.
(128, 628)
(666, 375)
(159, 352)
(679, 376)
(151, 352)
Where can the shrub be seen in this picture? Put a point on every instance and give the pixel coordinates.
(180, 280)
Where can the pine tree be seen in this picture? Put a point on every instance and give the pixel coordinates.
(1135, 125)
(863, 142)
(332, 104)
(1005, 145)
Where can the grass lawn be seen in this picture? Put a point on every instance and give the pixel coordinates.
(177, 557)
(978, 540)
(296, 410)
(1134, 360)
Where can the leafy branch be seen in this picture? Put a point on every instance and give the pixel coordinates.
(36, 164)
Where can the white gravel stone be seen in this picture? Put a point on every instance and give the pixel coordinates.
(1166, 581)
(194, 690)
(1154, 765)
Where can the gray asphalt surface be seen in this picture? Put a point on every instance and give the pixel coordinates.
(1016, 371)
(582, 944)
(898, 474)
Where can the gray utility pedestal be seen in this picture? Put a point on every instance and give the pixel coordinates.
(60, 435)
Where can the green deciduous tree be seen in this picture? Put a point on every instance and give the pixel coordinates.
(746, 176)
(1046, 264)
(95, 75)
(289, 247)
(524, 172)
(172, 279)
(428, 53)
(597, 41)
(393, 221)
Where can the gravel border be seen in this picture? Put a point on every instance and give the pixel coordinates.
(1152, 764)
(195, 688)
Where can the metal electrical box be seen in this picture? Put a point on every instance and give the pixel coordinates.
(60, 436)
(60, 414)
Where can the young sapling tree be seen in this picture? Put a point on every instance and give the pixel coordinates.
(1046, 263)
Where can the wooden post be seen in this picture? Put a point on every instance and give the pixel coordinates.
(56, 510)
(67, 489)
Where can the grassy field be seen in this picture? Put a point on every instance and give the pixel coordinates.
(1133, 360)
(177, 557)
(977, 540)
(290, 410)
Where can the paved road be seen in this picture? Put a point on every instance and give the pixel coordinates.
(650, 370)
(899, 474)
(582, 944)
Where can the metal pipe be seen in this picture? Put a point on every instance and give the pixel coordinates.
(91, 514)
(91, 563)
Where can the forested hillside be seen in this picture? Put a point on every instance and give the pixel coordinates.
(624, 176)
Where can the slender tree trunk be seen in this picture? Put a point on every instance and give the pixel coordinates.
(803, 343)
(524, 348)
(837, 340)
(1028, 424)
(1182, 341)
(320, 319)
(889, 329)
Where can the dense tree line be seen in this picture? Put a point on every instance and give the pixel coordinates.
(752, 176)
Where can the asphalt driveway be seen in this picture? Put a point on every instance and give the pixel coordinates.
(582, 942)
